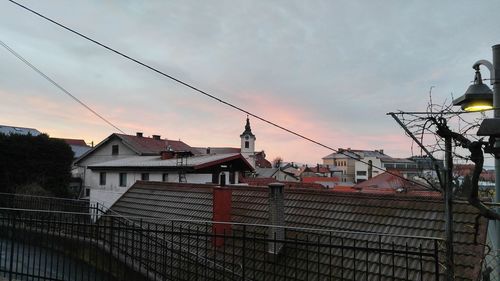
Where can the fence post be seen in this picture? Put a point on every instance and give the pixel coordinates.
(11, 265)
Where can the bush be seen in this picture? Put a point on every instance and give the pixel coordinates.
(35, 160)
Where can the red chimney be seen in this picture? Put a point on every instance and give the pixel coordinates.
(222, 205)
(167, 155)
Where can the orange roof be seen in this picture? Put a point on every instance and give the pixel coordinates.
(320, 179)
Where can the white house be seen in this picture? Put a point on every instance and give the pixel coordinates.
(117, 162)
(109, 180)
(120, 146)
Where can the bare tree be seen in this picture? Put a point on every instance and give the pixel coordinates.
(429, 129)
(277, 161)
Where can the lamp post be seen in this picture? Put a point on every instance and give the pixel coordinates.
(480, 97)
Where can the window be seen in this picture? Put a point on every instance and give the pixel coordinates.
(232, 177)
(114, 149)
(361, 173)
(215, 178)
(87, 192)
(247, 144)
(145, 176)
(102, 178)
(400, 166)
(123, 179)
(164, 177)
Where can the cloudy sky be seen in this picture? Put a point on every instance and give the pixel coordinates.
(330, 70)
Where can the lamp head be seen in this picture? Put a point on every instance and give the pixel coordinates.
(478, 96)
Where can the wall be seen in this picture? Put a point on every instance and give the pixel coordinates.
(104, 153)
(100, 155)
(110, 192)
(359, 166)
(248, 153)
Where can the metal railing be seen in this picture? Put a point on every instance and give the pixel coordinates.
(75, 246)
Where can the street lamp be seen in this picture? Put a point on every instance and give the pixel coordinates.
(476, 98)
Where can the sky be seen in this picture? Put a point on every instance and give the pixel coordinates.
(330, 70)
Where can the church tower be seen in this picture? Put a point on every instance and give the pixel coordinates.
(248, 144)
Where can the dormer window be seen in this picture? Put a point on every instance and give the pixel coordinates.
(114, 149)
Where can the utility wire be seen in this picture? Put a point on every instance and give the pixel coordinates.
(56, 84)
(210, 95)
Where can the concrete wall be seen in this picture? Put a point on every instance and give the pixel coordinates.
(248, 153)
(100, 155)
(359, 166)
(104, 153)
(110, 192)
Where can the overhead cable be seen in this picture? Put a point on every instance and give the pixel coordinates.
(196, 89)
(17, 55)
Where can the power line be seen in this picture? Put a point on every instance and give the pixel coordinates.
(56, 84)
(196, 89)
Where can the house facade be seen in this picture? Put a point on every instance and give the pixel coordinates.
(121, 146)
(360, 165)
(347, 162)
(109, 180)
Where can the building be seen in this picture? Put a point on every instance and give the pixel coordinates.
(78, 146)
(278, 174)
(120, 146)
(117, 162)
(348, 162)
(11, 130)
(360, 165)
(109, 180)
(394, 221)
(247, 148)
(394, 182)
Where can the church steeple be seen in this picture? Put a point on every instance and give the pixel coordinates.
(248, 130)
(248, 144)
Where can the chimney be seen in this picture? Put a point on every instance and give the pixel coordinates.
(208, 150)
(317, 167)
(168, 154)
(139, 134)
(222, 179)
(156, 137)
(370, 169)
(276, 217)
(221, 212)
(381, 151)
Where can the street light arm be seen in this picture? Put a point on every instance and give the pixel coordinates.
(488, 65)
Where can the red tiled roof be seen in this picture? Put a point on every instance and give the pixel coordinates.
(288, 184)
(463, 170)
(397, 214)
(323, 170)
(343, 188)
(320, 179)
(258, 181)
(389, 181)
(261, 161)
(150, 146)
(78, 142)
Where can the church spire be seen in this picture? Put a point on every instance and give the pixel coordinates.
(248, 129)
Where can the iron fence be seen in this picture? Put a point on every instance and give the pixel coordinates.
(60, 242)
